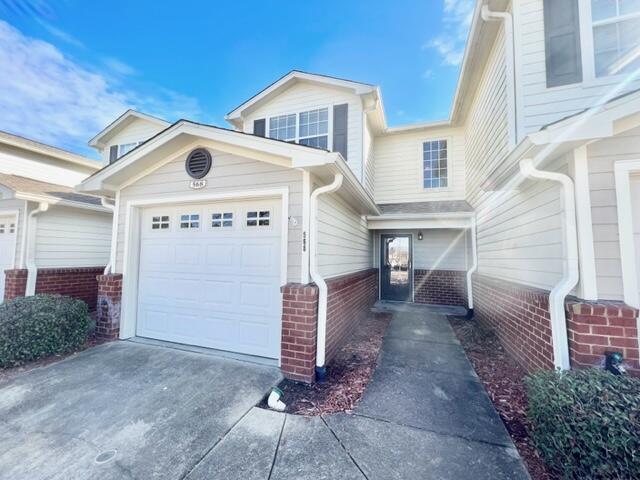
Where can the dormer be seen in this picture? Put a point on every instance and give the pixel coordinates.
(315, 110)
(125, 133)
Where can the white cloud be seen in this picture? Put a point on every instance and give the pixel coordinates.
(118, 67)
(60, 34)
(53, 99)
(451, 42)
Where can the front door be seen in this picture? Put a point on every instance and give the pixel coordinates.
(397, 275)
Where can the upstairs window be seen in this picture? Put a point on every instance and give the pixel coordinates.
(314, 128)
(283, 127)
(616, 37)
(435, 164)
(125, 148)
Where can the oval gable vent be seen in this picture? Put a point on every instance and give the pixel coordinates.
(198, 163)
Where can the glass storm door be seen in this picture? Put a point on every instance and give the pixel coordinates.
(397, 274)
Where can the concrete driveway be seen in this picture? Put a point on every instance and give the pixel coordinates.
(126, 410)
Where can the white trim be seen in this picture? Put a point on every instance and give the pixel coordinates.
(96, 141)
(588, 287)
(382, 223)
(16, 215)
(113, 252)
(296, 139)
(31, 197)
(622, 171)
(306, 216)
(450, 169)
(132, 241)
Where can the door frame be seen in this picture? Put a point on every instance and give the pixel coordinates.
(411, 268)
(16, 215)
(131, 256)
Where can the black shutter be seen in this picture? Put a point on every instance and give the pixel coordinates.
(340, 117)
(113, 153)
(562, 42)
(260, 127)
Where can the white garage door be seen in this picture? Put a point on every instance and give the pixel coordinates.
(635, 212)
(210, 276)
(7, 247)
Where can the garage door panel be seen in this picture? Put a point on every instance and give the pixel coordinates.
(212, 287)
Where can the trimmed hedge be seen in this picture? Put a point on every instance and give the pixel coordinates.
(41, 325)
(586, 423)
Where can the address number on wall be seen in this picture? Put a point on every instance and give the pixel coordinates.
(197, 184)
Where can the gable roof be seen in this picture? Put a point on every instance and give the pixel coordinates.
(35, 190)
(121, 122)
(44, 149)
(296, 76)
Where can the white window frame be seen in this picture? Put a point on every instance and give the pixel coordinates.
(420, 175)
(297, 114)
(160, 222)
(222, 212)
(587, 49)
(190, 221)
(120, 145)
(257, 226)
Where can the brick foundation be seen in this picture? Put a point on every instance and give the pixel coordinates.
(71, 282)
(598, 327)
(519, 315)
(15, 283)
(109, 296)
(440, 287)
(350, 297)
(299, 330)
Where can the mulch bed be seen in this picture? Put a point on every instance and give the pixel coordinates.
(347, 374)
(503, 379)
(6, 373)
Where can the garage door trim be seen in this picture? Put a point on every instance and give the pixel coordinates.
(16, 215)
(131, 254)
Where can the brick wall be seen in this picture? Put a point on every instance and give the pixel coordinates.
(15, 283)
(440, 287)
(598, 327)
(72, 282)
(350, 297)
(109, 295)
(519, 315)
(299, 330)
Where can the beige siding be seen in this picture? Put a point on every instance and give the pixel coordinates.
(69, 237)
(229, 174)
(20, 206)
(439, 249)
(303, 96)
(138, 131)
(399, 169)
(487, 136)
(602, 156)
(344, 242)
(17, 161)
(369, 170)
(543, 105)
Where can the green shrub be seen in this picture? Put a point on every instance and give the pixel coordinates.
(586, 423)
(41, 325)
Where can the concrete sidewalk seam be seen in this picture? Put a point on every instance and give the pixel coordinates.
(353, 460)
(275, 454)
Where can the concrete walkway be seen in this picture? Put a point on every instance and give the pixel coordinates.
(126, 410)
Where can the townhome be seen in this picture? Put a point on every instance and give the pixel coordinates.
(52, 239)
(272, 237)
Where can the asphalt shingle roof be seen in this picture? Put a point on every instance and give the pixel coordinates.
(51, 190)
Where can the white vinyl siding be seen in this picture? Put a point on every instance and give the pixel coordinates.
(439, 249)
(230, 173)
(369, 169)
(139, 130)
(542, 105)
(23, 163)
(303, 97)
(399, 166)
(344, 242)
(602, 156)
(69, 237)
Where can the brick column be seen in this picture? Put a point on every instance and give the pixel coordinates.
(599, 327)
(109, 295)
(15, 283)
(299, 330)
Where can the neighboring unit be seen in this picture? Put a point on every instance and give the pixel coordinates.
(273, 239)
(52, 239)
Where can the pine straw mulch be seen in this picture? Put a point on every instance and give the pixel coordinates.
(503, 380)
(347, 374)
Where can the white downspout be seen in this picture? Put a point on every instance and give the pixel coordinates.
(30, 240)
(111, 207)
(474, 267)
(571, 273)
(510, 59)
(313, 268)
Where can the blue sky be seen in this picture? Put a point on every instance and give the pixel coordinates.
(69, 67)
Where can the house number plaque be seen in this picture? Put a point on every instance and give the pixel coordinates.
(197, 184)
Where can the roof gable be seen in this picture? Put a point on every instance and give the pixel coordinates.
(121, 123)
